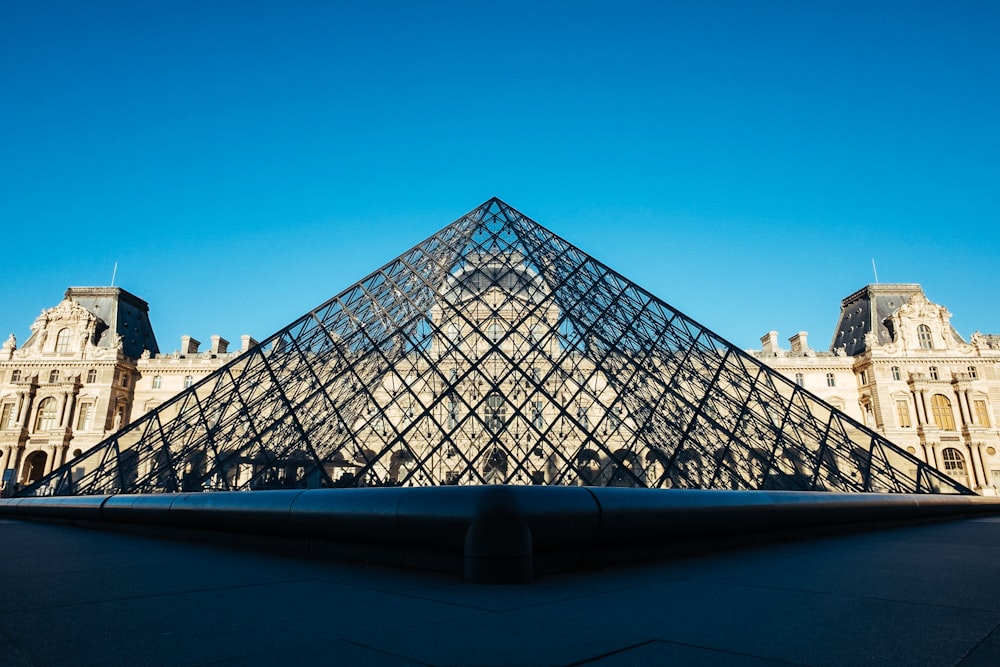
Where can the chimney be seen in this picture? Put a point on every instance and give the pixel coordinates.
(219, 345)
(189, 345)
(800, 344)
(246, 342)
(769, 343)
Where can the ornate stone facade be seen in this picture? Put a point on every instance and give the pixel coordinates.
(89, 367)
(897, 365)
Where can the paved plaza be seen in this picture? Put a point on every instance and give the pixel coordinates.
(919, 595)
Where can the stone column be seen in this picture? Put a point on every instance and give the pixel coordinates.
(50, 461)
(976, 466)
(978, 453)
(918, 401)
(931, 455)
(25, 409)
(71, 409)
(963, 410)
(63, 403)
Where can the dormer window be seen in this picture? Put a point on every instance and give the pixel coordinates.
(62, 341)
(924, 336)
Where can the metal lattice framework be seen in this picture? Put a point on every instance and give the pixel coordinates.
(494, 352)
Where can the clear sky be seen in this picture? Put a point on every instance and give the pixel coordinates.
(242, 162)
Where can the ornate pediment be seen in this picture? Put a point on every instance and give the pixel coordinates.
(919, 307)
(68, 327)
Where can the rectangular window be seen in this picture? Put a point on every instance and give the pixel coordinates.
(157, 382)
(996, 478)
(982, 415)
(972, 373)
(830, 380)
(934, 373)
(800, 380)
(581, 416)
(7, 416)
(537, 414)
(903, 412)
(864, 378)
(86, 418)
(895, 373)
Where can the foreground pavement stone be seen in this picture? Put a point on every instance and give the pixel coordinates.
(918, 595)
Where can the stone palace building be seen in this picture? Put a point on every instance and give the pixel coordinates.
(897, 365)
(92, 365)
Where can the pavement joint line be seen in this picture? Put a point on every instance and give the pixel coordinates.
(189, 591)
(587, 661)
(385, 652)
(835, 594)
(977, 645)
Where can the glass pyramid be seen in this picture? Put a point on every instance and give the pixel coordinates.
(494, 352)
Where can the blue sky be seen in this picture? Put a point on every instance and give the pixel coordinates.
(744, 161)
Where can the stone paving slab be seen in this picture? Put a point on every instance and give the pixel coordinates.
(919, 595)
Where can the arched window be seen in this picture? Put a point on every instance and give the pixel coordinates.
(954, 464)
(924, 336)
(46, 418)
(53, 377)
(494, 412)
(943, 416)
(62, 341)
(495, 468)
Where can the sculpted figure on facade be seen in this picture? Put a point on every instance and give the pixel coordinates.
(9, 347)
